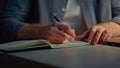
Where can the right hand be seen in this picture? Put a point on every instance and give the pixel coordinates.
(100, 33)
(55, 33)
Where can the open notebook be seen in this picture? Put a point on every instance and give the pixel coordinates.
(36, 44)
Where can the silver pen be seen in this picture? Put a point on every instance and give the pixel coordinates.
(56, 18)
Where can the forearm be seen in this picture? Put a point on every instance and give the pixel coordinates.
(32, 31)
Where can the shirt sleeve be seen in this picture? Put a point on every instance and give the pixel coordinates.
(115, 11)
(13, 18)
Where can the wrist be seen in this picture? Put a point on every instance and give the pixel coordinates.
(24, 32)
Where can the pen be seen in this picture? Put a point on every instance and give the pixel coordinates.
(56, 18)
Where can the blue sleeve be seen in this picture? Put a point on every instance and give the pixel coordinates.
(13, 18)
(116, 11)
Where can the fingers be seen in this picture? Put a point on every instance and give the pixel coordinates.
(65, 28)
(101, 36)
(95, 35)
(91, 35)
(58, 37)
(55, 29)
(63, 34)
(68, 37)
(82, 36)
(70, 32)
(105, 36)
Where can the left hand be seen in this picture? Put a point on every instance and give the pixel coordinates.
(100, 33)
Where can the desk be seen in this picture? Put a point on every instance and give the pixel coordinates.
(98, 56)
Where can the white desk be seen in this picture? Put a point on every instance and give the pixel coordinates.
(98, 56)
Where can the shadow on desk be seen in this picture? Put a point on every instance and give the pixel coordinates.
(7, 61)
(114, 42)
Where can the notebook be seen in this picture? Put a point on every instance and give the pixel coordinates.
(37, 44)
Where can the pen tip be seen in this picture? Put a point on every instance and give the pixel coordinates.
(54, 14)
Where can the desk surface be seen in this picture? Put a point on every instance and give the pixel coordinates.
(98, 56)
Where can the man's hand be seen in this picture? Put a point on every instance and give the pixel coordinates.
(100, 33)
(55, 33)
